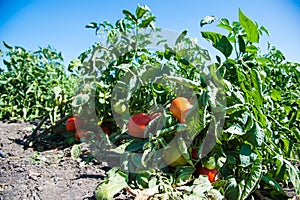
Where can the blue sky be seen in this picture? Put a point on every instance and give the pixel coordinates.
(61, 23)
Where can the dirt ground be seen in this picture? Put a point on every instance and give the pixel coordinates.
(53, 174)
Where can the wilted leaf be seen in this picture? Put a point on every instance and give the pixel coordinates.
(75, 151)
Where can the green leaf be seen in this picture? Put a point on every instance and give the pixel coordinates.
(246, 155)
(272, 183)
(224, 23)
(74, 64)
(293, 175)
(181, 36)
(276, 95)
(253, 179)
(92, 25)
(235, 129)
(111, 186)
(135, 145)
(130, 15)
(184, 81)
(141, 10)
(255, 135)
(75, 151)
(183, 174)
(183, 147)
(6, 45)
(201, 185)
(80, 100)
(207, 20)
(257, 93)
(262, 28)
(242, 45)
(232, 190)
(219, 41)
(249, 26)
(148, 21)
(142, 179)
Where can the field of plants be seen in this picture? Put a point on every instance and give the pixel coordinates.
(168, 119)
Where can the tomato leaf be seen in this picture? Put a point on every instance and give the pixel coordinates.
(249, 26)
(111, 186)
(183, 174)
(75, 151)
(141, 10)
(130, 15)
(207, 20)
(232, 190)
(219, 41)
(253, 179)
(247, 156)
(293, 175)
(181, 36)
(242, 45)
(272, 183)
(235, 129)
(255, 135)
(201, 185)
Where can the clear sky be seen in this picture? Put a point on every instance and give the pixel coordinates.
(61, 23)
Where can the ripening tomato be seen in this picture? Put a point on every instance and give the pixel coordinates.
(211, 174)
(73, 123)
(179, 107)
(137, 124)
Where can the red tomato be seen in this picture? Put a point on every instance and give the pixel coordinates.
(106, 129)
(194, 154)
(137, 124)
(70, 124)
(210, 173)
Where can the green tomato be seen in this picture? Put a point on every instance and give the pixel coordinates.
(209, 163)
(119, 108)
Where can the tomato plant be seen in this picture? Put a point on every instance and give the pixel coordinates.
(158, 107)
(260, 139)
(33, 84)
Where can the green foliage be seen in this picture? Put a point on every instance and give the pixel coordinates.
(261, 116)
(262, 104)
(33, 84)
(260, 139)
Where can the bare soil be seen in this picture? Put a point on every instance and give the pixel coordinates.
(26, 173)
(52, 174)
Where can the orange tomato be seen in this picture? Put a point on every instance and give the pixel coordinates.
(179, 107)
(73, 123)
(137, 124)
